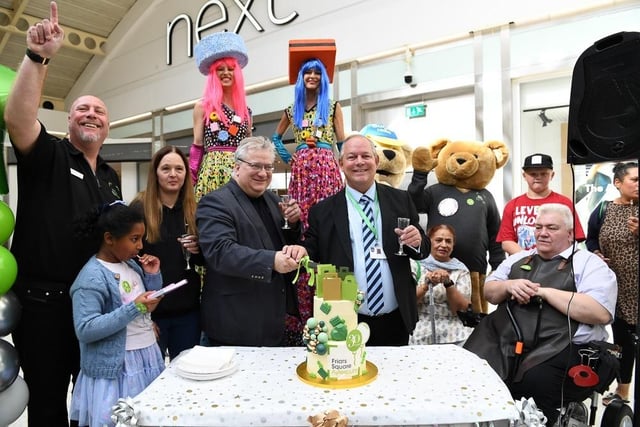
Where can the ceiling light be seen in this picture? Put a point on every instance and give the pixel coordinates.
(132, 119)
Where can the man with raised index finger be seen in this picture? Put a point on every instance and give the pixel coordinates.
(66, 178)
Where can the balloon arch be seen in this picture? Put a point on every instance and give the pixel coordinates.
(14, 393)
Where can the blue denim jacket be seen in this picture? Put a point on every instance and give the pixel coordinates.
(100, 319)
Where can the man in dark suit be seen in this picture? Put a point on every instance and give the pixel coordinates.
(246, 252)
(339, 224)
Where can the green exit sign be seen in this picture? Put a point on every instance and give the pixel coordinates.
(415, 110)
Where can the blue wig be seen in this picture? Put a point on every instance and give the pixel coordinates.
(322, 100)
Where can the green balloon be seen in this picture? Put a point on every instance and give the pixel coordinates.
(7, 222)
(7, 76)
(8, 270)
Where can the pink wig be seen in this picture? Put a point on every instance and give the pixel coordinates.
(213, 94)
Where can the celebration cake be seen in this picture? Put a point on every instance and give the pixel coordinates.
(334, 340)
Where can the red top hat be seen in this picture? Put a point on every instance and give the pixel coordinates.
(303, 50)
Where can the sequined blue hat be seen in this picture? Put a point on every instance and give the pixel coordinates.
(220, 45)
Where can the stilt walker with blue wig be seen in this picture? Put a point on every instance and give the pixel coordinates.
(221, 119)
(317, 126)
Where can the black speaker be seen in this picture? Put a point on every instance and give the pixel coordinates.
(604, 111)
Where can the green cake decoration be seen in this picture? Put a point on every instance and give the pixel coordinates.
(346, 290)
(335, 321)
(322, 372)
(325, 307)
(339, 332)
(349, 287)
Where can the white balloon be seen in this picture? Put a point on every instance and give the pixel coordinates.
(13, 401)
(364, 330)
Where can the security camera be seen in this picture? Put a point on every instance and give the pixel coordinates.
(408, 74)
(408, 78)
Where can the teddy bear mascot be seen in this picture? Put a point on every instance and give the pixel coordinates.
(394, 154)
(459, 199)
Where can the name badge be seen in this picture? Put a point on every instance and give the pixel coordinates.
(376, 252)
(76, 173)
(318, 134)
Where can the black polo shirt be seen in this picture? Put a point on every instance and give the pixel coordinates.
(56, 185)
(172, 264)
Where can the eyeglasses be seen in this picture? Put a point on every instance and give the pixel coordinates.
(257, 167)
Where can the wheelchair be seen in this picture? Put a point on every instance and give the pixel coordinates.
(598, 356)
(576, 414)
(616, 413)
(603, 357)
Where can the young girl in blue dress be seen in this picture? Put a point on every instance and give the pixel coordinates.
(119, 355)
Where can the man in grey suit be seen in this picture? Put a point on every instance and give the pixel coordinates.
(247, 252)
(337, 234)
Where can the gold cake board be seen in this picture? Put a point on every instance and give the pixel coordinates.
(372, 373)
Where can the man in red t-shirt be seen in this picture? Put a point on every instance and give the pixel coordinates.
(519, 215)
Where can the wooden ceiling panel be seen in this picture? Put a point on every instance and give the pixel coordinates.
(94, 19)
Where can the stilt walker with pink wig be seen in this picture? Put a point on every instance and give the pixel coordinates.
(221, 119)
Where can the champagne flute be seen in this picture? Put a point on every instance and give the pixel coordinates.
(186, 238)
(285, 199)
(402, 224)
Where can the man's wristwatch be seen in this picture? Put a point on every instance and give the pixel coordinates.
(37, 58)
(448, 283)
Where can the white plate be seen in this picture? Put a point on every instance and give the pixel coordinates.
(197, 368)
(204, 360)
(199, 376)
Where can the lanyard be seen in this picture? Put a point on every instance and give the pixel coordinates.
(376, 211)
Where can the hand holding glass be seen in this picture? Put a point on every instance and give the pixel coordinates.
(402, 224)
(284, 204)
(184, 239)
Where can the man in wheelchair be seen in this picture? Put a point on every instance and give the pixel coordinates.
(552, 302)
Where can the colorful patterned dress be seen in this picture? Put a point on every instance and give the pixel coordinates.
(315, 175)
(220, 143)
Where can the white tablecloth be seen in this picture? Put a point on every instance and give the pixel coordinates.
(416, 385)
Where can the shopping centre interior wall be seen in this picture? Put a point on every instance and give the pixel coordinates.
(135, 78)
(484, 69)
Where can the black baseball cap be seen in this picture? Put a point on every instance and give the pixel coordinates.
(538, 160)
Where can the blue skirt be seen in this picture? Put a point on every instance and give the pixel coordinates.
(93, 398)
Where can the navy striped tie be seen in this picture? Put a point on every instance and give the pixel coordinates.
(372, 265)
